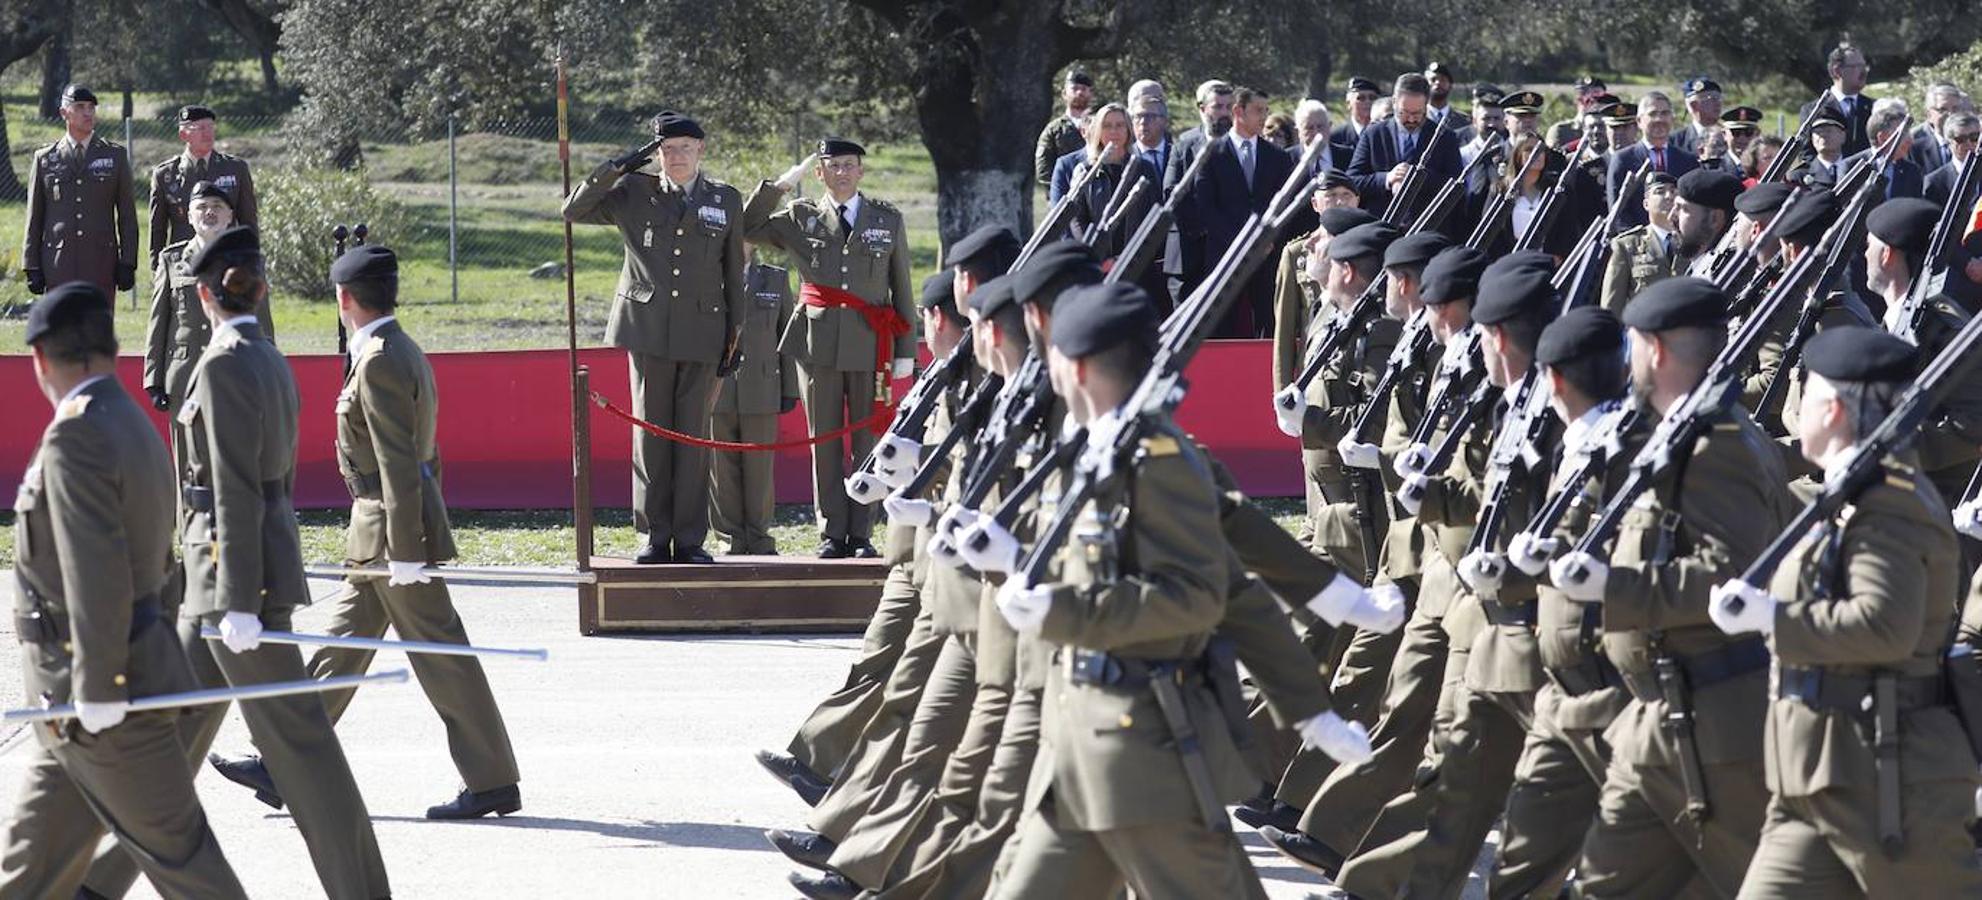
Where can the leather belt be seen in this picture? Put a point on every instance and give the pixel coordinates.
(1704, 670)
(1595, 674)
(42, 625)
(1829, 691)
(1108, 670)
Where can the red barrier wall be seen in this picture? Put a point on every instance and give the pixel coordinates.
(505, 434)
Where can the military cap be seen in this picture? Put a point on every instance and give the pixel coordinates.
(1580, 333)
(1363, 241)
(76, 93)
(1711, 188)
(1452, 274)
(1905, 224)
(64, 307)
(1804, 222)
(365, 262)
(1523, 103)
(992, 297)
(1699, 86)
(1488, 95)
(1097, 317)
(194, 113)
(1057, 264)
(1604, 100)
(1742, 118)
(1437, 69)
(1620, 113)
(1830, 116)
(1515, 286)
(1335, 179)
(671, 124)
(939, 290)
(1359, 83)
(1679, 302)
(1656, 178)
(988, 244)
(237, 245)
(1413, 251)
(833, 146)
(1763, 199)
(205, 189)
(1338, 220)
(1589, 82)
(1858, 353)
(1080, 77)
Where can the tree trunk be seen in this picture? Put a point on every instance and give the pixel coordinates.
(55, 72)
(10, 182)
(1319, 73)
(269, 85)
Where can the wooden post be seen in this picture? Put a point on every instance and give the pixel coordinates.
(581, 391)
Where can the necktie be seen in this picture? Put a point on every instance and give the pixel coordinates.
(1409, 144)
(1246, 160)
(846, 225)
(1658, 159)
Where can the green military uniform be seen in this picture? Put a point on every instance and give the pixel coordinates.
(1059, 138)
(826, 739)
(676, 311)
(741, 490)
(93, 534)
(386, 417)
(1865, 601)
(1639, 257)
(82, 222)
(835, 347)
(178, 331)
(172, 191)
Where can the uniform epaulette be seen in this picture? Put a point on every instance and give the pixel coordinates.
(174, 247)
(1160, 445)
(73, 407)
(714, 183)
(879, 204)
(164, 164)
(1635, 229)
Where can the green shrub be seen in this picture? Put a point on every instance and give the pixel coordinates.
(299, 207)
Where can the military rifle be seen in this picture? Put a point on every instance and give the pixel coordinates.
(1933, 275)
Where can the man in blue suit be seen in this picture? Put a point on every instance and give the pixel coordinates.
(1846, 99)
(1655, 144)
(1239, 178)
(1386, 150)
(1903, 175)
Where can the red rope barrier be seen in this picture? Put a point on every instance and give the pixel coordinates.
(878, 421)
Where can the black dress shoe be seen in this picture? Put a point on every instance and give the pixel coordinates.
(1273, 812)
(796, 775)
(1307, 851)
(248, 772)
(834, 548)
(830, 886)
(807, 848)
(693, 555)
(475, 804)
(654, 554)
(862, 548)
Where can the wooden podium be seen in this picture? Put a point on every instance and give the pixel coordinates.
(736, 593)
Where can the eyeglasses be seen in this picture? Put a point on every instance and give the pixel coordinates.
(1967, 138)
(842, 168)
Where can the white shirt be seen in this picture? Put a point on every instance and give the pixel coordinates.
(364, 334)
(1578, 431)
(1525, 207)
(1664, 238)
(1842, 101)
(852, 207)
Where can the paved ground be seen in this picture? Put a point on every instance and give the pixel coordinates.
(636, 762)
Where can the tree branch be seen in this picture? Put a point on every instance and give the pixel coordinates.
(1110, 37)
(898, 13)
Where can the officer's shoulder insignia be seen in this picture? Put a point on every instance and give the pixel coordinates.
(176, 247)
(1633, 231)
(1160, 445)
(885, 206)
(73, 407)
(165, 165)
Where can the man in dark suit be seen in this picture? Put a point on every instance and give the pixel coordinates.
(1342, 141)
(1150, 123)
(1846, 97)
(1903, 176)
(1655, 127)
(1961, 131)
(1387, 149)
(1238, 180)
(1182, 258)
(1931, 149)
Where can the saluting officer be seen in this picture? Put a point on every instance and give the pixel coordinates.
(851, 252)
(179, 328)
(173, 181)
(82, 222)
(677, 310)
(93, 532)
(764, 386)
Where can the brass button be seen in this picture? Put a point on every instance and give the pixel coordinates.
(844, 286)
(678, 232)
(119, 680)
(843, 268)
(677, 251)
(1127, 720)
(676, 272)
(674, 293)
(264, 592)
(68, 647)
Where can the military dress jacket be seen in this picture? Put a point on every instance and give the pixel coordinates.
(765, 377)
(178, 329)
(386, 418)
(172, 192)
(1638, 259)
(82, 217)
(870, 261)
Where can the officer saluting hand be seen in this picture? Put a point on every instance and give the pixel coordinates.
(82, 222)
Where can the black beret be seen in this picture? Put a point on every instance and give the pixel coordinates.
(1700, 86)
(1677, 303)
(939, 290)
(194, 113)
(1452, 274)
(1904, 223)
(833, 146)
(1058, 264)
(671, 124)
(1096, 317)
(1488, 95)
(1412, 251)
(1589, 82)
(206, 189)
(1518, 285)
(1711, 188)
(1763, 199)
(1362, 241)
(232, 247)
(1335, 179)
(1079, 77)
(65, 306)
(365, 262)
(992, 297)
(1742, 118)
(1523, 103)
(1858, 353)
(1339, 219)
(1438, 68)
(989, 243)
(1580, 333)
(1655, 178)
(76, 93)
(1359, 83)
(1804, 222)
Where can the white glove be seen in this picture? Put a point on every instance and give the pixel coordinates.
(1585, 589)
(907, 511)
(953, 523)
(1968, 519)
(1024, 608)
(1530, 554)
(1289, 410)
(989, 547)
(95, 717)
(865, 488)
(904, 367)
(242, 632)
(1482, 571)
(943, 552)
(1387, 603)
(1344, 741)
(1738, 607)
(1411, 494)
(1358, 455)
(897, 452)
(790, 180)
(1344, 601)
(1978, 791)
(407, 573)
(894, 475)
(1412, 461)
